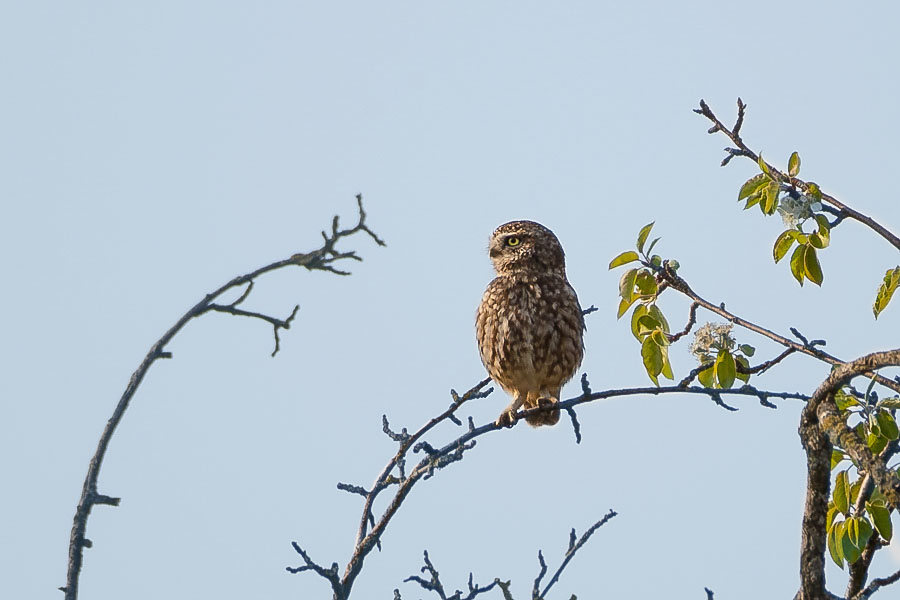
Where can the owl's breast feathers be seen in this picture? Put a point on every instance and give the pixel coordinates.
(530, 331)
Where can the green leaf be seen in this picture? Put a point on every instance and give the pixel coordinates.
(646, 283)
(653, 243)
(834, 544)
(626, 284)
(836, 457)
(798, 235)
(888, 425)
(624, 305)
(882, 518)
(841, 493)
(667, 366)
(659, 338)
(657, 314)
(646, 325)
(753, 200)
(747, 349)
(794, 165)
(762, 164)
(891, 403)
(848, 548)
(752, 186)
(830, 516)
(886, 290)
(865, 532)
(783, 243)
(816, 241)
(876, 442)
(639, 311)
(651, 354)
(707, 377)
(798, 263)
(844, 400)
(872, 422)
(770, 198)
(725, 369)
(623, 259)
(812, 266)
(743, 362)
(853, 531)
(877, 498)
(813, 190)
(824, 229)
(642, 235)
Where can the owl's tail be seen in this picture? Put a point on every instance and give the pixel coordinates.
(546, 417)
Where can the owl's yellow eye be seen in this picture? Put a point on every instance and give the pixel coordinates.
(513, 241)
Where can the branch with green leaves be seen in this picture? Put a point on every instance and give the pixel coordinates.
(798, 201)
(722, 359)
(853, 521)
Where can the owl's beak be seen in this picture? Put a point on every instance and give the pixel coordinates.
(495, 251)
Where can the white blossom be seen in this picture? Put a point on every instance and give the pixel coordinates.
(710, 338)
(795, 210)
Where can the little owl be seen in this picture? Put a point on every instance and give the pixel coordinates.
(529, 324)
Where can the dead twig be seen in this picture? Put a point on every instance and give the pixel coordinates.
(322, 259)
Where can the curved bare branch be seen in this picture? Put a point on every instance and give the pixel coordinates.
(321, 259)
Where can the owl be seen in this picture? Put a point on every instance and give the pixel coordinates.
(529, 325)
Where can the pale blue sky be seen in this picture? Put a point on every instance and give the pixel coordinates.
(152, 151)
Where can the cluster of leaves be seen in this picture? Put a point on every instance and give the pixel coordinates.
(722, 367)
(639, 285)
(766, 190)
(850, 525)
(769, 189)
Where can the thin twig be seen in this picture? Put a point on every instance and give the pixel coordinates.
(434, 583)
(330, 574)
(692, 320)
(573, 548)
(877, 583)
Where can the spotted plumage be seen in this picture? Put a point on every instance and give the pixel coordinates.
(529, 324)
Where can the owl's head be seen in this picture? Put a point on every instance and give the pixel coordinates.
(526, 247)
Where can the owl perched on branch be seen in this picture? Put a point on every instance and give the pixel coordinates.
(529, 326)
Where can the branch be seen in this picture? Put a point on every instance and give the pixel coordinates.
(437, 457)
(821, 426)
(835, 426)
(876, 584)
(367, 539)
(809, 348)
(276, 323)
(570, 554)
(692, 320)
(434, 583)
(859, 570)
(329, 574)
(320, 259)
(741, 149)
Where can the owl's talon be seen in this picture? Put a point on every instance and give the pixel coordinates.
(506, 419)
